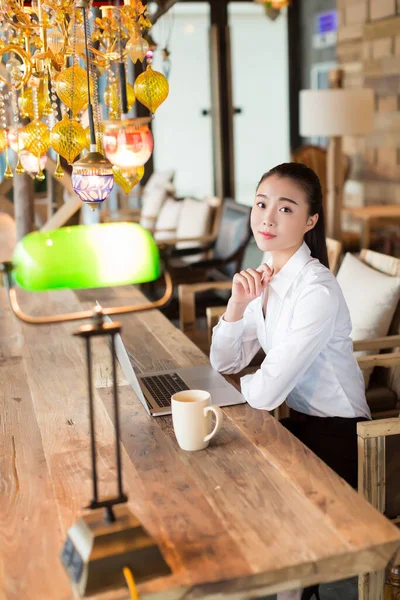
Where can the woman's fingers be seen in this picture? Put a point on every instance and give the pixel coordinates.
(256, 275)
(264, 268)
(266, 274)
(252, 281)
(238, 279)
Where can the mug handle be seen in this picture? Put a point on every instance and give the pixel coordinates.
(218, 420)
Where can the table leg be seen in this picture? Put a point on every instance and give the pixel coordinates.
(371, 586)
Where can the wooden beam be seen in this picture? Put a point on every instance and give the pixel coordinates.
(64, 181)
(5, 186)
(62, 216)
(378, 428)
(163, 7)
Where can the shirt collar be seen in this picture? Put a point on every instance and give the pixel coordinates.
(282, 281)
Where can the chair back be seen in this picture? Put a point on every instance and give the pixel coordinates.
(233, 237)
(315, 158)
(379, 464)
(155, 193)
(194, 222)
(156, 180)
(389, 265)
(334, 249)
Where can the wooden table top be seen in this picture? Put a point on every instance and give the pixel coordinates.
(254, 513)
(374, 211)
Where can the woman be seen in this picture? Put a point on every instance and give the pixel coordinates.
(295, 311)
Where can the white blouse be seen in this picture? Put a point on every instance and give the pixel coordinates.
(305, 335)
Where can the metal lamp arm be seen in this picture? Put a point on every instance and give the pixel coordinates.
(78, 316)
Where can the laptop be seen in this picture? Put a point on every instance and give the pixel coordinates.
(155, 389)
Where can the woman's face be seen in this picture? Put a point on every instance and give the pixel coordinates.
(279, 217)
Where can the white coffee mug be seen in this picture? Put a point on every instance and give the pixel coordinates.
(191, 418)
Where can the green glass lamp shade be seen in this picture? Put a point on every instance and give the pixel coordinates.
(86, 256)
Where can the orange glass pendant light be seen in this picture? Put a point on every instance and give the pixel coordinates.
(128, 143)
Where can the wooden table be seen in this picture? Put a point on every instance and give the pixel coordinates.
(371, 216)
(254, 513)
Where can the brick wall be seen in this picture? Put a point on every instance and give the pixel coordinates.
(369, 52)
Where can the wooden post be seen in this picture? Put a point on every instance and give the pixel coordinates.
(295, 58)
(51, 195)
(335, 182)
(24, 193)
(221, 95)
(371, 485)
(335, 173)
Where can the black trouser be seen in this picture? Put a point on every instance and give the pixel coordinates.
(333, 439)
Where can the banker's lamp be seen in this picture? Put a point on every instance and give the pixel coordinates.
(108, 537)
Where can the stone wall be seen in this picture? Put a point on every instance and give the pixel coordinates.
(368, 50)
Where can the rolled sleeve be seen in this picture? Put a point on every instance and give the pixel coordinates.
(311, 329)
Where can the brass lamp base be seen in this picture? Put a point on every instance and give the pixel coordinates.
(96, 551)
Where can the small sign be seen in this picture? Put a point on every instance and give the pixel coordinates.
(324, 40)
(326, 22)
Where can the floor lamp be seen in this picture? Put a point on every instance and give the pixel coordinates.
(334, 113)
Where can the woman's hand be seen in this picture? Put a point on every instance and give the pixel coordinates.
(246, 286)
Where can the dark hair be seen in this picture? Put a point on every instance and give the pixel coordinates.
(308, 181)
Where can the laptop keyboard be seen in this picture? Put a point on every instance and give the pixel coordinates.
(162, 387)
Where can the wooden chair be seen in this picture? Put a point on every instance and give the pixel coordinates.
(315, 158)
(187, 224)
(158, 188)
(378, 482)
(334, 248)
(225, 253)
(383, 392)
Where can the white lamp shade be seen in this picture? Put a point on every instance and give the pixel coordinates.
(336, 112)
